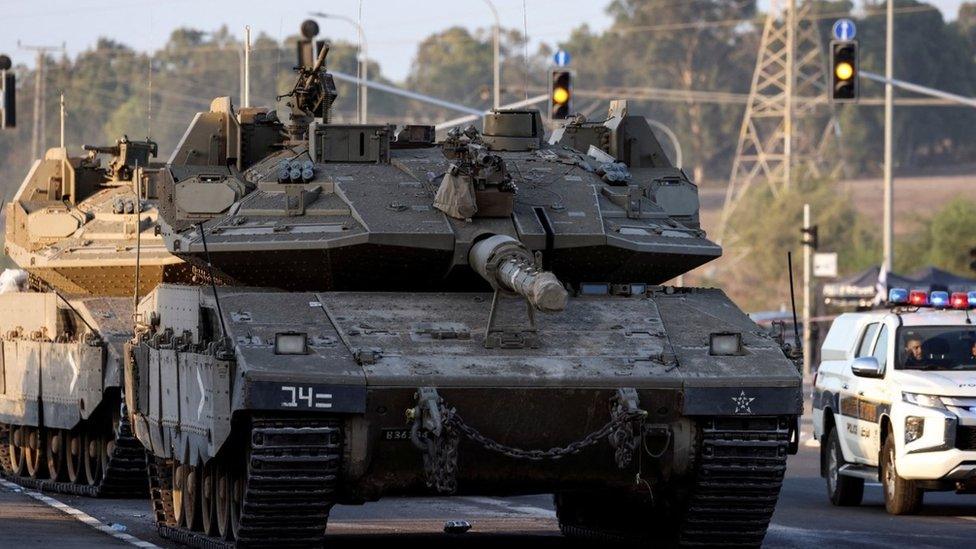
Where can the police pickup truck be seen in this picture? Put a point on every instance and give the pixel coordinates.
(894, 400)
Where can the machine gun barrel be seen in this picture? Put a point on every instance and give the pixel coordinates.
(509, 266)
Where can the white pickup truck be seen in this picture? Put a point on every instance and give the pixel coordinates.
(894, 400)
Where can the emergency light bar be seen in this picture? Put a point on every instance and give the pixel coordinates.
(937, 299)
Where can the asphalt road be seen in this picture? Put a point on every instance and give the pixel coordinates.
(804, 518)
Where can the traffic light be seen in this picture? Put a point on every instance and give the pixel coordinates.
(8, 94)
(811, 237)
(560, 94)
(843, 74)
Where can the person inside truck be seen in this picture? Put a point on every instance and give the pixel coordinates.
(913, 351)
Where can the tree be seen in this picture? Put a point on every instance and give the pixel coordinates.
(942, 240)
(768, 226)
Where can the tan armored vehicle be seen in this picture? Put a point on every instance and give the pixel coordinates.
(85, 234)
(77, 226)
(482, 315)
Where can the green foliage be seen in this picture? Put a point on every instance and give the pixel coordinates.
(768, 226)
(943, 240)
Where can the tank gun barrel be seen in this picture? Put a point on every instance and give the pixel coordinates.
(509, 266)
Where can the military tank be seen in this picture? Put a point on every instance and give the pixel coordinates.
(387, 314)
(84, 235)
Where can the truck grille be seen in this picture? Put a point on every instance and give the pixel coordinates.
(966, 438)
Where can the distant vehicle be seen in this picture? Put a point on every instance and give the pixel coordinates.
(895, 400)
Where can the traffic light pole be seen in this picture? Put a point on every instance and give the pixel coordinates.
(808, 246)
(889, 189)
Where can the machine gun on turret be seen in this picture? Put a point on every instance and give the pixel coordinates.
(126, 155)
(314, 91)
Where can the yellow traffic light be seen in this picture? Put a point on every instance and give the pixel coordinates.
(844, 71)
(560, 95)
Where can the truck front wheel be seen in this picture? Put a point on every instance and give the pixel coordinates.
(842, 490)
(902, 496)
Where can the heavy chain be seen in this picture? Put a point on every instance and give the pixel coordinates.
(453, 419)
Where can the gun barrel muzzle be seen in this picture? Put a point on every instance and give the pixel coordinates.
(508, 265)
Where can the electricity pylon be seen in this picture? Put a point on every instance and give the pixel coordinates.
(788, 120)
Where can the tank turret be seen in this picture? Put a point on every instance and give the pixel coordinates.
(334, 206)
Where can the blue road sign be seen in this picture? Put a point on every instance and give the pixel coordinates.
(845, 30)
(561, 58)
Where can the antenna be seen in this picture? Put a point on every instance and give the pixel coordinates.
(796, 327)
(525, 52)
(213, 284)
(149, 101)
(137, 180)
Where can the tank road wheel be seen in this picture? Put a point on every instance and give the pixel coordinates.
(56, 456)
(191, 498)
(34, 454)
(843, 491)
(208, 492)
(74, 450)
(236, 500)
(222, 500)
(95, 457)
(902, 496)
(17, 462)
(179, 491)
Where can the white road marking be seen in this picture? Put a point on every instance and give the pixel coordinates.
(80, 515)
(530, 510)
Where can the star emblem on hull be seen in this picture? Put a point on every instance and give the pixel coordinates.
(743, 404)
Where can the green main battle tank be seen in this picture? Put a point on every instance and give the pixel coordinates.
(390, 315)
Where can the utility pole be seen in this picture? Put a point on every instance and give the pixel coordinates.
(496, 60)
(888, 231)
(62, 118)
(810, 243)
(787, 111)
(246, 100)
(38, 135)
(790, 85)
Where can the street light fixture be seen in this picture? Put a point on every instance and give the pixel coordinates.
(363, 62)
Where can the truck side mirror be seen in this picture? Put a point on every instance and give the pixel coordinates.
(867, 366)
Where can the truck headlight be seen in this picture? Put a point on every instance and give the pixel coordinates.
(927, 401)
(914, 428)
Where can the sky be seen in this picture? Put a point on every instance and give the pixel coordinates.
(393, 28)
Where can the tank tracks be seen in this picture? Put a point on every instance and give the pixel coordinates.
(124, 477)
(292, 468)
(739, 470)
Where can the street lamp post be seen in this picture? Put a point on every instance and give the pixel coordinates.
(496, 47)
(363, 62)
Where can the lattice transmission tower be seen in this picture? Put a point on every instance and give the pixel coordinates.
(788, 120)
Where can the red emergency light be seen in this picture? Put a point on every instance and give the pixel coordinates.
(918, 298)
(959, 300)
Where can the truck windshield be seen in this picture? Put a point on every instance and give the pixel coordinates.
(936, 348)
